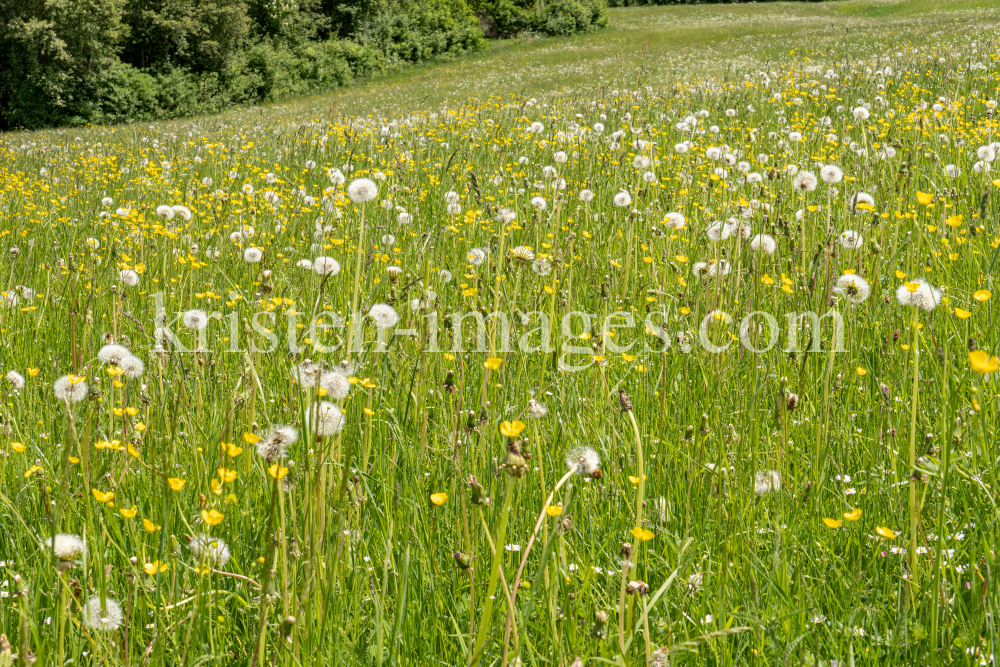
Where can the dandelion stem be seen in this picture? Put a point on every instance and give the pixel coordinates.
(491, 589)
(912, 547)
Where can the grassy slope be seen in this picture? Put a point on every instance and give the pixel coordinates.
(652, 45)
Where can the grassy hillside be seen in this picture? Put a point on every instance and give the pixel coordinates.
(669, 345)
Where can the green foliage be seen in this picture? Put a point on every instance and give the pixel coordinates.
(69, 62)
(201, 35)
(568, 17)
(51, 53)
(421, 29)
(504, 18)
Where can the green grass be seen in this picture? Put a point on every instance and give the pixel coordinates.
(801, 505)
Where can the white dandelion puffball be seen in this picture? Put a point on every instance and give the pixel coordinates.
(451, 197)
(337, 385)
(252, 255)
(851, 240)
(560, 157)
(805, 181)
(831, 174)
(336, 177)
(275, 444)
(129, 277)
(861, 113)
(165, 212)
(766, 481)
(209, 550)
(622, 199)
(304, 264)
(918, 293)
(719, 232)
(384, 315)
(327, 418)
(404, 218)
(133, 367)
(106, 618)
(583, 461)
(952, 171)
(861, 198)
(586, 196)
(195, 319)
(65, 546)
(986, 153)
(476, 256)
(538, 203)
(853, 288)
(107, 202)
(113, 354)
(763, 242)
(182, 211)
(674, 220)
(362, 190)
(16, 380)
(70, 388)
(326, 266)
(541, 266)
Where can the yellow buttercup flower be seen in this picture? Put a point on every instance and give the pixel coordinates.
(149, 526)
(983, 363)
(511, 429)
(128, 514)
(982, 295)
(493, 363)
(176, 484)
(231, 449)
(924, 198)
(553, 510)
(853, 515)
(887, 533)
(832, 523)
(642, 534)
(154, 567)
(212, 517)
(277, 472)
(439, 498)
(103, 496)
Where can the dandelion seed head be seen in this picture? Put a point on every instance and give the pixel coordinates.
(195, 319)
(583, 461)
(65, 546)
(70, 388)
(766, 481)
(326, 266)
(16, 380)
(384, 315)
(113, 354)
(362, 190)
(106, 618)
(326, 418)
(209, 550)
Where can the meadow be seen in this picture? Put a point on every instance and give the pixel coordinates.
(673, 344)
